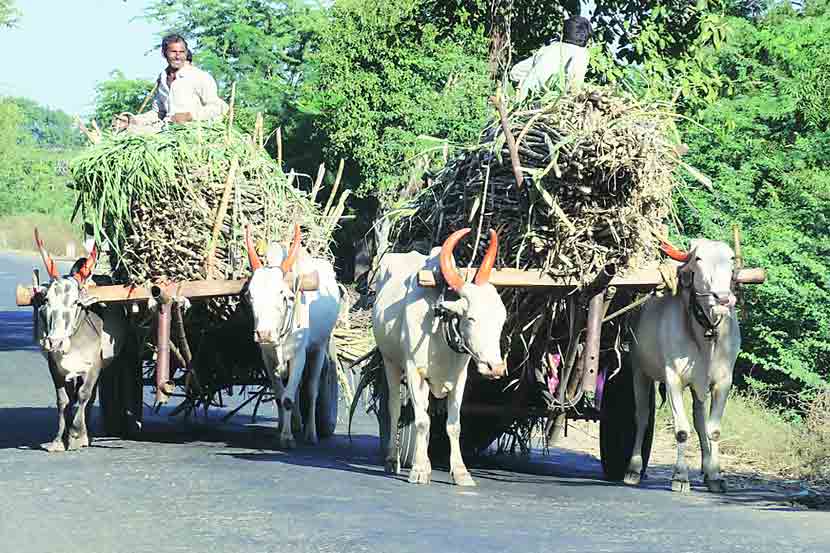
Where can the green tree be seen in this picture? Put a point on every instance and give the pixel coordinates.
(9, 14)
(381, 80)
(47, 127)
(29, 175)
(119, 94)
(767, 147)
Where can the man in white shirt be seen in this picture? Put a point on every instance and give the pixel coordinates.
(565, 62)
(183, 92)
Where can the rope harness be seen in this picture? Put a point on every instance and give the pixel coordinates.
(451, 326)
(697, 312)
(292, 311)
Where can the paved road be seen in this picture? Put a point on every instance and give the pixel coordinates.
(223, 488)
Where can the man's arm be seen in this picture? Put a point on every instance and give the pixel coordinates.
(213, 106)
(155, 111)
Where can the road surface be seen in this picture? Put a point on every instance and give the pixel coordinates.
(211, 487)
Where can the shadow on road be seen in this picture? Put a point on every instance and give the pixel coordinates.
(17, 331)
(27, 427)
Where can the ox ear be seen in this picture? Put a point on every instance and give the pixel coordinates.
(457, 307)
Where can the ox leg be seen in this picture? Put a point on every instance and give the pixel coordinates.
(458, 470)
(699, 415)
(289, 396)
(392, 463)
(680, 478)
(62, 402)
(421, 472)
(78, 433)
(273, 368)
(642, 403)
(315, 367)
(711, 471)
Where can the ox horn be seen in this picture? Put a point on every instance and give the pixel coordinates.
(51, 268)
(86, 269)
(253, 258)
(445, 260)
(289, 260)
(483, 275)
(674, 253)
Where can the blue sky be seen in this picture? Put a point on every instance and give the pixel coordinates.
(62, 48)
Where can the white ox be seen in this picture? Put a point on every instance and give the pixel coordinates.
(78, 339)
(292, 333)
(691, 340)
(408, 330)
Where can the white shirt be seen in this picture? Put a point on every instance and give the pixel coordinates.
(566, 61)
(193, 91)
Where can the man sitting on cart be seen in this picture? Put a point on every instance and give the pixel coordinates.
(560, 63)
(183, 92)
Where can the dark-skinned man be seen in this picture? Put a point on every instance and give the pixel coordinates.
(183, 92)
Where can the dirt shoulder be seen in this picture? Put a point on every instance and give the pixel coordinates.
(742, 477)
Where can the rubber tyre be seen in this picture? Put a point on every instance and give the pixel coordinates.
(618, 426)
(327, 399)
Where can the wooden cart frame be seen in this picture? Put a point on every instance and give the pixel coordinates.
(154, 314)
(608, 398)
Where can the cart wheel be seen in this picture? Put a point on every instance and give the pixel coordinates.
(618, 426)
(327, 399)
(121, 396)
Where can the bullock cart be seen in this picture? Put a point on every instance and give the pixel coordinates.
(588, 379)
(595, 377)
(175, 216)
(578, 189)
(176, 348)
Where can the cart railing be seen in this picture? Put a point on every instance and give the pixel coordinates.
(516, 278)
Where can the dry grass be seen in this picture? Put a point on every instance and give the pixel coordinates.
(755, 439)
(16, 233)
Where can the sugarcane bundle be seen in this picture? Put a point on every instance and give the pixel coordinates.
(173, 206)
(590, 193)
(353, 331)
(598, 170)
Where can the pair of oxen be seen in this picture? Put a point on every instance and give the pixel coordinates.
(80, 337)
(690, 339)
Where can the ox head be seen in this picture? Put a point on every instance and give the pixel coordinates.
(479, 308)
(707, 271)
(61, 306)
(271, 297)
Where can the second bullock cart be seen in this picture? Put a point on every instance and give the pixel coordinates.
(175, 346)
(589, 378)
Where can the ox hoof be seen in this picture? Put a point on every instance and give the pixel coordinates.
(419, 476)
(463, 478)
(715, 486)
(55, 446)
(632, 478)
(312, 439)
(392, 467)
(681, 486)
(76, 443)
(288, 443)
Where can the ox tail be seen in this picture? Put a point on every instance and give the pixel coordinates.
(370, 375)
(662, 389)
